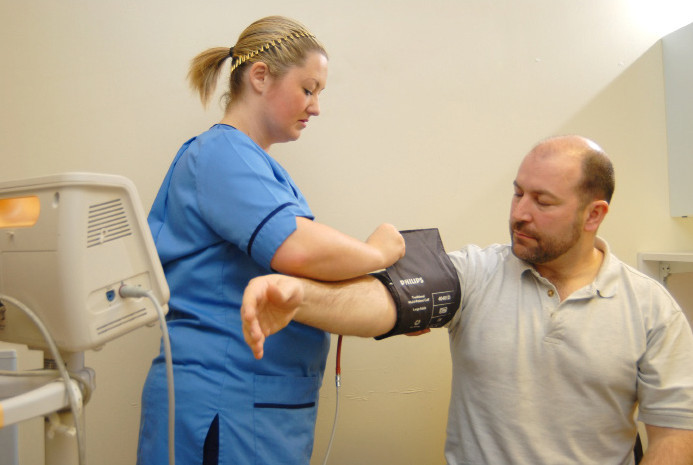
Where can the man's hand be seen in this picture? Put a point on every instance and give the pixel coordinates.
(269, 304)
(418, 333)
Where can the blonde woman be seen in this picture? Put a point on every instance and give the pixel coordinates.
(225, 213)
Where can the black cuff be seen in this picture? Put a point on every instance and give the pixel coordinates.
(384, 278)
(424, 284)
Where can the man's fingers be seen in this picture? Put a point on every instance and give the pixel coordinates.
(419, 333)
(252, 332)
(254, 337)
(269, 304)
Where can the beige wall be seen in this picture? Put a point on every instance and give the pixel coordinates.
(428, 109)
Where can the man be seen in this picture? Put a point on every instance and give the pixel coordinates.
(556, 342)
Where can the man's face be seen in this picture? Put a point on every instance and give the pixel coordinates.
(545, 219)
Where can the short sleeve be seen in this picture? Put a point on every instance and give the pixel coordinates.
(245, 196)
(665, 375)
(469, 264)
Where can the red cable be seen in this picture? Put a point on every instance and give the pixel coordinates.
(338, 367)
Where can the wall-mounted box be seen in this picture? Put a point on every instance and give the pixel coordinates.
(677, 56)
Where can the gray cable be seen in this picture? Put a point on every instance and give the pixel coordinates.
(137, 292)
(61, 368)
(334, 423)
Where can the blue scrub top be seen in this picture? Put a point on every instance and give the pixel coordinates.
(224, 208)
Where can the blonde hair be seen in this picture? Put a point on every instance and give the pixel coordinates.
(277, 41)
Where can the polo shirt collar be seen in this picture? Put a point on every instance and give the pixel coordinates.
(605, 283)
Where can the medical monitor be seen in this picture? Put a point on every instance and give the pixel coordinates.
(67, 243)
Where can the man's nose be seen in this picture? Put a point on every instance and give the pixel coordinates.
(520, 209)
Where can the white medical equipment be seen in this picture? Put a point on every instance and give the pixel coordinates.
(67, 243)
(78, 268)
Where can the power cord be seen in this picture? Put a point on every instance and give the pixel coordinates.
(128, 291)
(338, 383)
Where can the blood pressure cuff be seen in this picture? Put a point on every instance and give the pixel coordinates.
(424, 284)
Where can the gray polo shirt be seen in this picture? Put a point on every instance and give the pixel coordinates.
(540, 381)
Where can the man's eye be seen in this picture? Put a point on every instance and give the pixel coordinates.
(308, 93)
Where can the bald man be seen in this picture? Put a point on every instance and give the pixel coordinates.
(556, 343)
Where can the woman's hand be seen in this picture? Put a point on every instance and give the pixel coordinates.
(387, 239)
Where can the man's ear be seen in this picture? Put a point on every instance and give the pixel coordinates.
(258, 76)
(596, 212)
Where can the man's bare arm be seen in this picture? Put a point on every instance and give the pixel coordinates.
(357, 307)
(668, 446)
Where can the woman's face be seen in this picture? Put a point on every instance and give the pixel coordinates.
(293, 98)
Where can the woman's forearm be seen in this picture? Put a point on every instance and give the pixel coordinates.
(318, 251)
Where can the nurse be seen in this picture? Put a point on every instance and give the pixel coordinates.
(225, 213)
